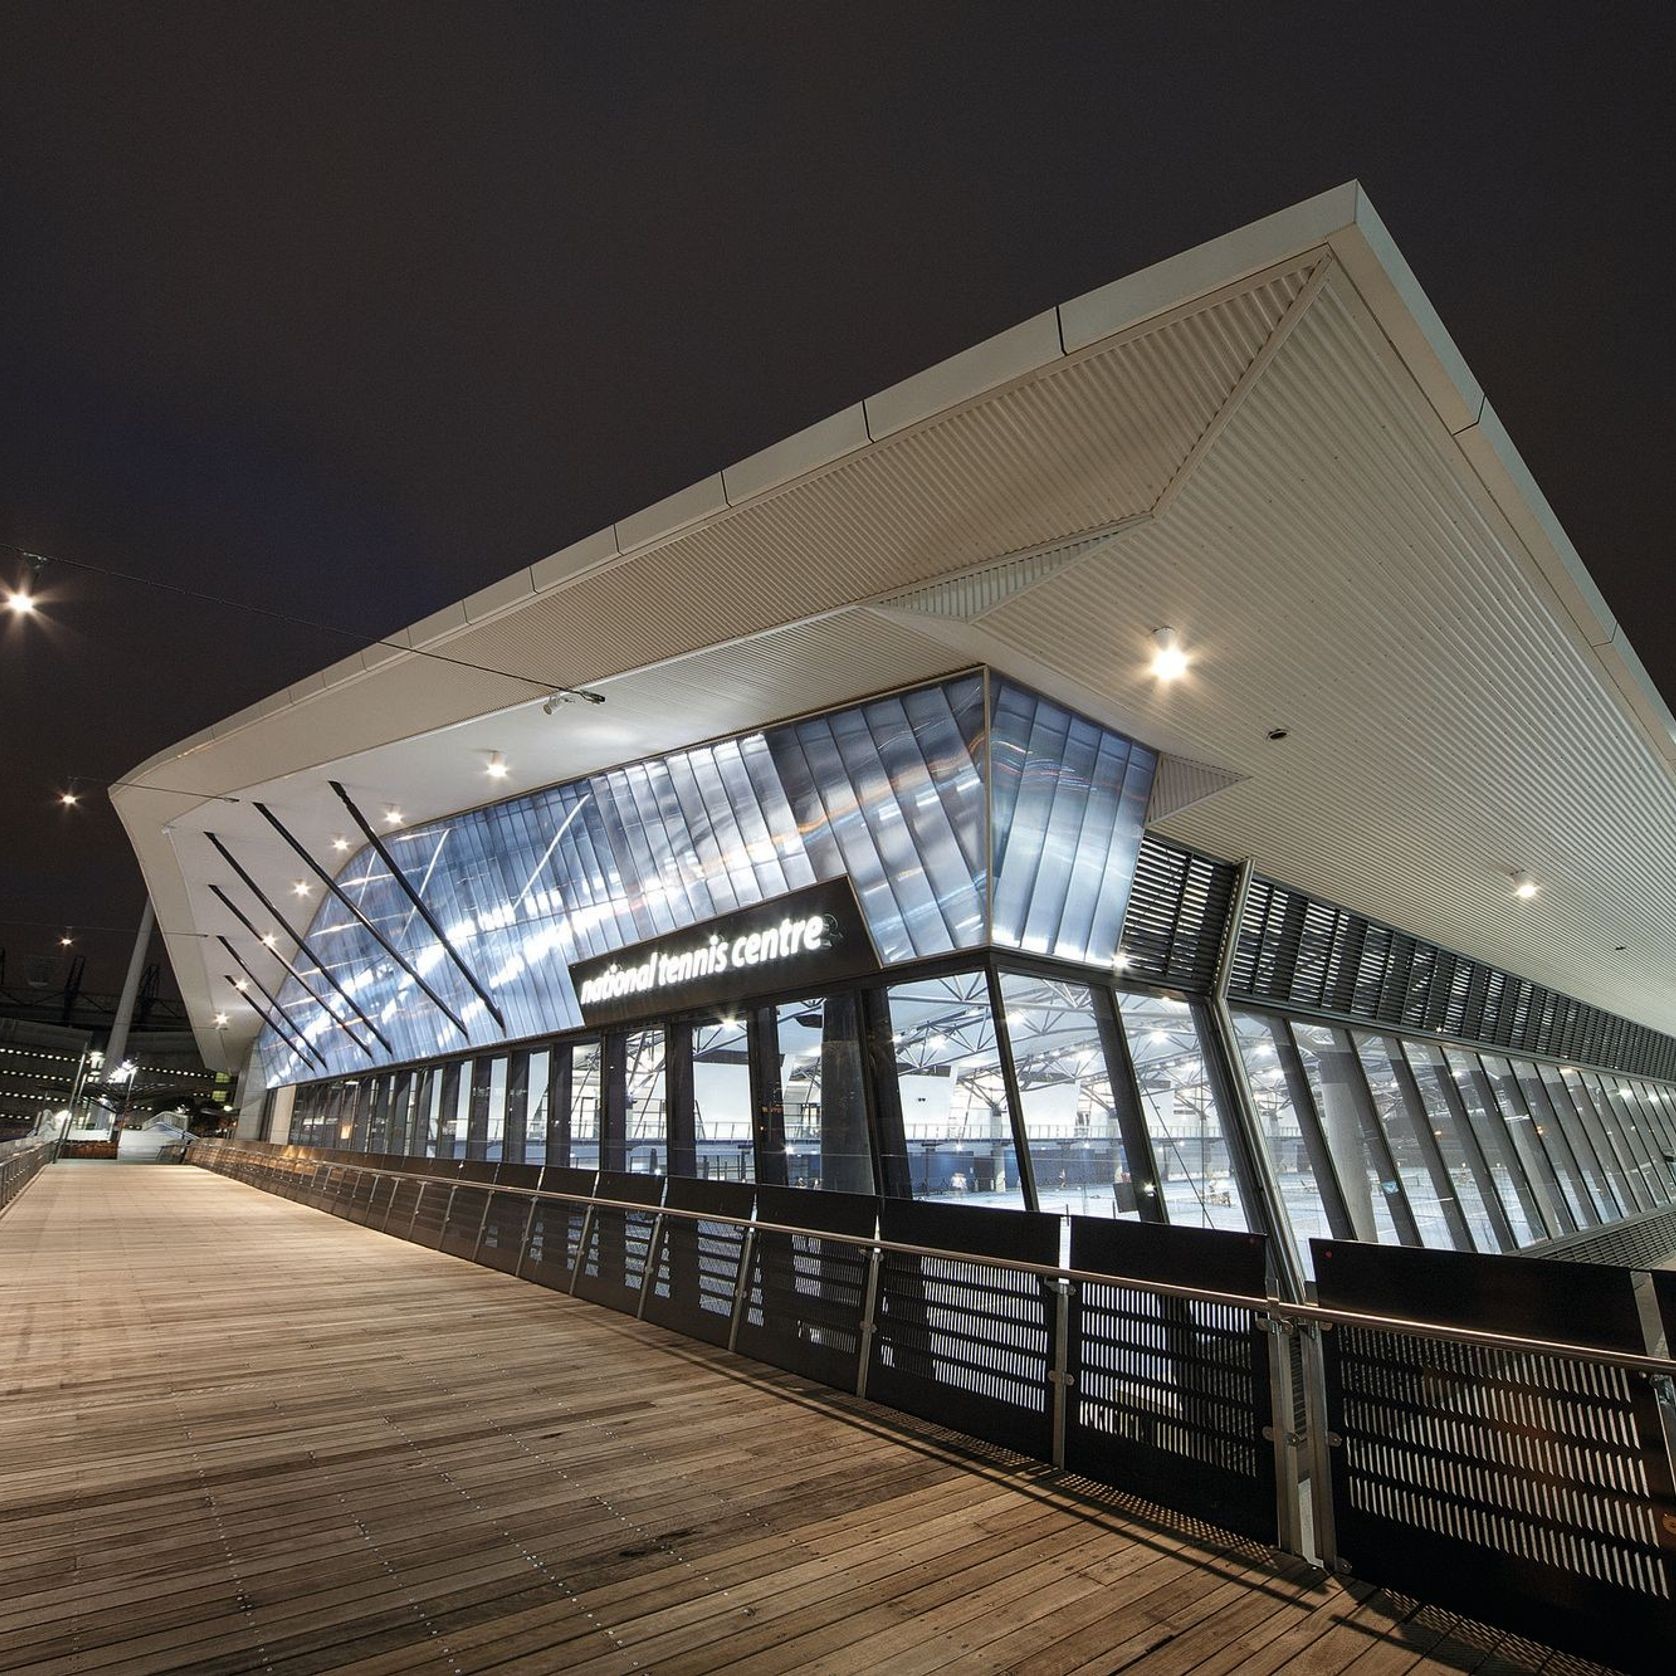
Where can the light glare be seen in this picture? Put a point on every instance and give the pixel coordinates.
(1169, 661)
(20, 603)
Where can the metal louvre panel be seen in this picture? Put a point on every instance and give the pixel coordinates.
(964, 1343)
(697, 1273)
(1470, 1475)
(1297, 952)
(1173, 1397)
(613, 1265)
(805, 1295)
(1176, 915)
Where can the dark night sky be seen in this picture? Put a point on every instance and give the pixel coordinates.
(349, 309)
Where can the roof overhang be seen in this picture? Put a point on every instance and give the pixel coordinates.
(1269, 443)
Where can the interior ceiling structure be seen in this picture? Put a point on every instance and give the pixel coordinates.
(1269, 444)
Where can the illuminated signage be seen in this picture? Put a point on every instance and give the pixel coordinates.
(812, 937)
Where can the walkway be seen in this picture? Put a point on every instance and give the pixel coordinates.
(240, 1435)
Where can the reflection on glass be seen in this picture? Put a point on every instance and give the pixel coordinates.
(955, 1122)
(1189, 1147)
(722, 1100)
(1649, 1123)
(1282, 1131)
(1506, 1172)
(1065, 1090)
(1366, 1176)
(646, 1128)
(1579, 1112)
(822, 1098)
(1437, 1198)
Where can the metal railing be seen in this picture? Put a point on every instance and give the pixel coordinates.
(1524, 1477)
(20, 1163)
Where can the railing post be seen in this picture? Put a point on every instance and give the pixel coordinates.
(1060, 1375)
(869, 1309)
(524, 1243)
(582, 1247)
(650, 1271)
(1288, 1441)
(742, 1285)
(482, 1223)
(1320, 1441)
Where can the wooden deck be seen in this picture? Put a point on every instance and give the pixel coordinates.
(241, 1435)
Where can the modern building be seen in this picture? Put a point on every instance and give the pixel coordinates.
(1165, 762)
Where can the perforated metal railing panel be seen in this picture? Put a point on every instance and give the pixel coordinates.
(556, 1229)
(503, 1231)
(1529, 1488)
(430, 1213)
(804, 1293)
(619, 1242)
(1172, 1396)
(967, 1343)
(465, 1218)
(697, 1273)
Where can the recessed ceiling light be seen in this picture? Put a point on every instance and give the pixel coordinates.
(340, 842)
(392, 817)
(1524, 886)
(300, 888)
(69, 799)
(1169, 661)
(270, 939)
(497, 769)
(65, 940)
(221, 1021)
(240, 985)
(20, 603)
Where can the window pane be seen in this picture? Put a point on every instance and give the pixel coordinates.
(1565, 1098)
(1505, 1170)
(1603, 1091)
(722, 1101)
(494, 1139)
(1461, 1155)
(1367, 1178)
(1649, 1115)
(823, 1099)
(535, 1107)
(954, 1100)
(1435, 1195)
(1560, 1141)
(1561, 1202)
(1189, 1146)
(585, 1099)
(647, 1126)
(1070, 1120)
(1282, 1133)
(1552, 1109)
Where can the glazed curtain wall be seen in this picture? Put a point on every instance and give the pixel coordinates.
(989, 1087)
(1375, 1136)
(964, 812)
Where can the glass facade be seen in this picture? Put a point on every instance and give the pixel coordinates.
(966, 812)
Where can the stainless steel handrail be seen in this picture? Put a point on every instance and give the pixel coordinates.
(1320, 1315)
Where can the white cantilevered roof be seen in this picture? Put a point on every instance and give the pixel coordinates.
(1268, 443)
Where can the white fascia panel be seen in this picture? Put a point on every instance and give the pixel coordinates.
(1022, 349)
(798, 455)
(1387, 283)
(499, 596)
(438, 624)
(674, 512)
(571, 561)
(1207, 267)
